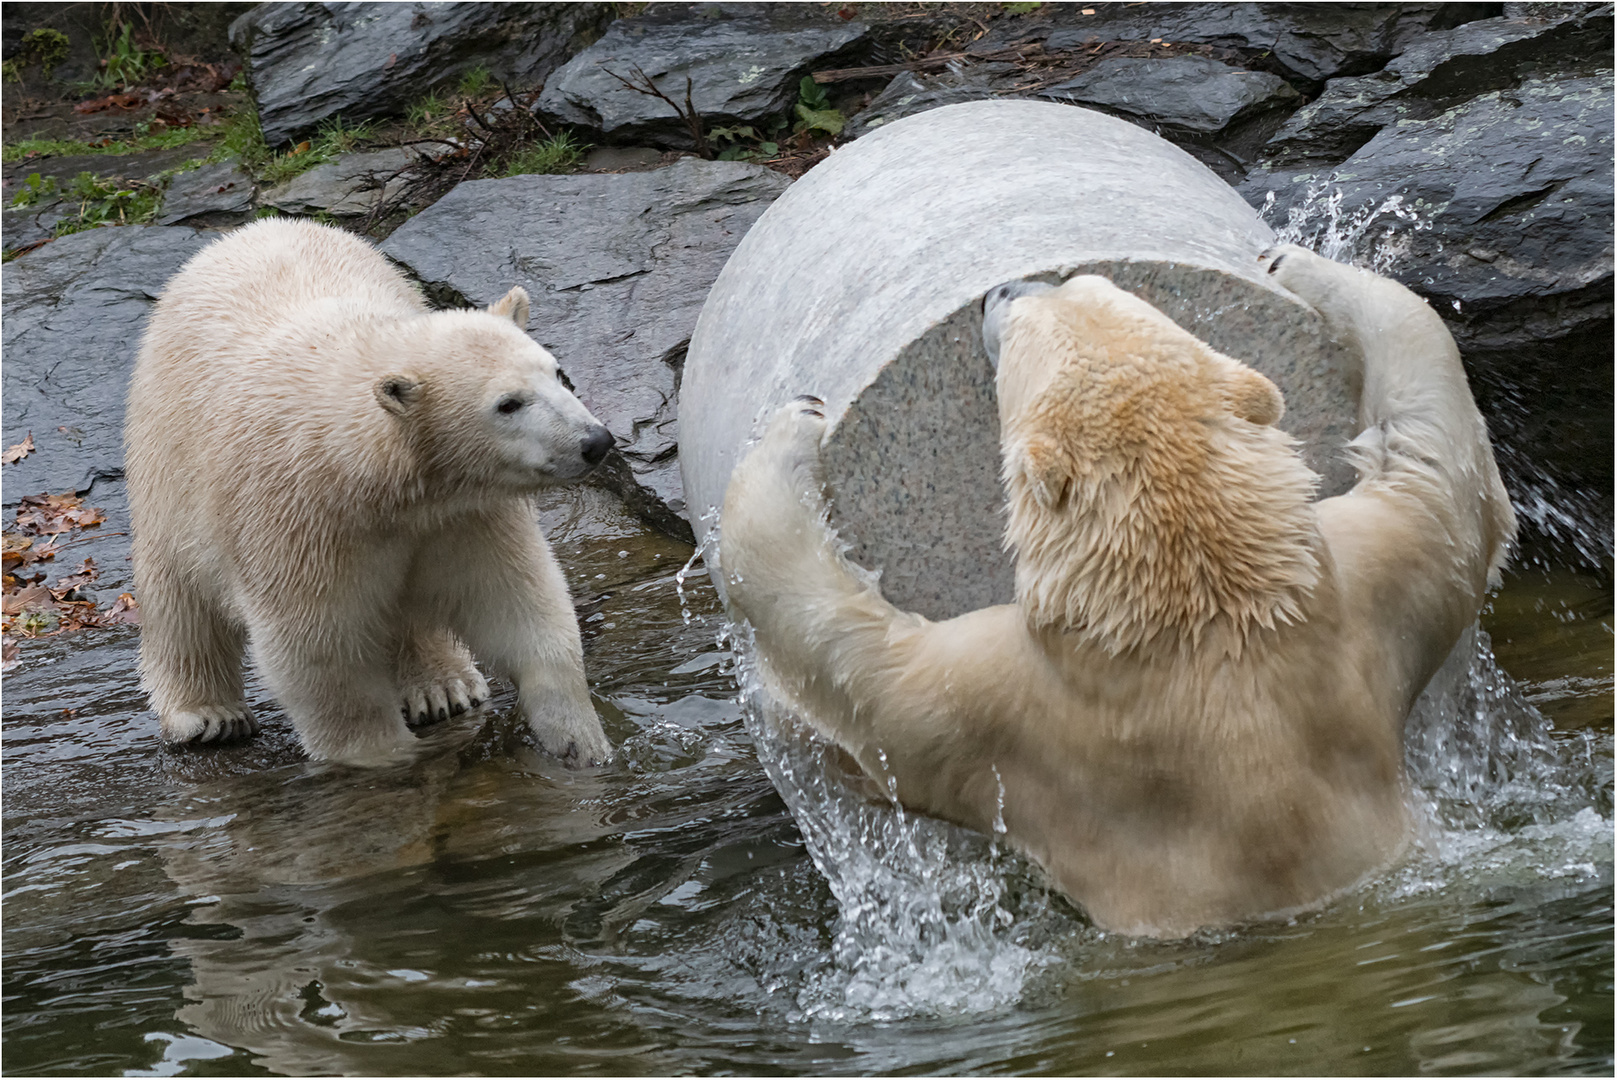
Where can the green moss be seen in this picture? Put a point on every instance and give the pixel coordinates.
(44, 46)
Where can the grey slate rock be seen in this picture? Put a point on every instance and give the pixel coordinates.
(1513, 190)
(1436, 73)
(617, 267)
(213, 194)
(1192, 93)
(1311, 41)
(309, 62)
(909, 94)
(21, 226)
(744, 62)
(348, 186)
(75, 310)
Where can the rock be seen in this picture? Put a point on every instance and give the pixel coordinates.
(1500, 211)
(214, 194)
(617, 267)
(1188, 92)
(1436, 73)
(25, 226)
(613, 159)
(909, 94)
(1502, 201)
(75, 310)
(350, 185)
(1310, 41)
(744, 62)
(309, 62)
(874, 307)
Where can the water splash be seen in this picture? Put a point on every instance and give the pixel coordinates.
(1373, 236)
(708, 546)
(934, 920)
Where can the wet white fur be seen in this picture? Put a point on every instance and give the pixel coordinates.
(319, 473)
(1236, 751)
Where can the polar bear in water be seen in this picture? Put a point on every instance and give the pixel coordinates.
(1195, 708)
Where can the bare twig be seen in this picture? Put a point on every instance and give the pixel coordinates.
(693, 119)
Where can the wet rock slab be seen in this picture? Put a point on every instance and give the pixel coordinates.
(350, 185)
(1438, 71)
(1512, 193)
(617, 267)
(1311, 41)
(214, 194)
(1188, 92)
(309, 62)
(74, 313)
(744, 62)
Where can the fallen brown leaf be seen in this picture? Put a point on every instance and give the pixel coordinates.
(18, 451)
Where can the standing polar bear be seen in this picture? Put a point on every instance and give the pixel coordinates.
(324, 472)
(1192, 716)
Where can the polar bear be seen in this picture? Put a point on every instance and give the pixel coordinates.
(328, 474)
(1192, 715)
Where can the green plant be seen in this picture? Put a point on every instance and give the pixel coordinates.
(560, 153)
(1022, 9)
(337, 136)
(36, 190)
(126, 64)
(103, 202)
(815, 111)
(737, 150)
(427, 112)
(475, 83)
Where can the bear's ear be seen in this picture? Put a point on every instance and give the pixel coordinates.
(1252, 397)
(396, 393)
(514, 306)
(1047, 469)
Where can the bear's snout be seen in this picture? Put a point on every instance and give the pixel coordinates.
(597, 441)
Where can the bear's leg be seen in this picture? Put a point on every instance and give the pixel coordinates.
(190, 662)
(436, 676)
(507, 599)
(337, 683)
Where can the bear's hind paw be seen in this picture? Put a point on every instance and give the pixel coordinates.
(209, 724)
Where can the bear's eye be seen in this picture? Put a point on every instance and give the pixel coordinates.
(509, 405)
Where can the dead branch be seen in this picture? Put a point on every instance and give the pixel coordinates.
(693, 119)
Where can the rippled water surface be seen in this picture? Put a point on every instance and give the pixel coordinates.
(487, 911)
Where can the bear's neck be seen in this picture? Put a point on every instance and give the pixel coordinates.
(1141, 558)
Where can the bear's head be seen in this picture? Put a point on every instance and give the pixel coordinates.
(482, 403)
(1150, 498)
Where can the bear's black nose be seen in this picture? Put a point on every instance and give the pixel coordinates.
(596, 444)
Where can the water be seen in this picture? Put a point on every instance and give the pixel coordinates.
(484, 910)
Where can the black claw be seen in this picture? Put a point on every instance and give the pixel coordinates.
(1276, 264)
(810, 399)
(815, 412)
(476, 702)
(456, 709)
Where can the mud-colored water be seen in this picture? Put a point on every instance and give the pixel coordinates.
(487, 911)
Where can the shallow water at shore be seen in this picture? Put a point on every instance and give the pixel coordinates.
(484, 910)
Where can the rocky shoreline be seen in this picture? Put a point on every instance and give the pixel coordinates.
(1466, 146)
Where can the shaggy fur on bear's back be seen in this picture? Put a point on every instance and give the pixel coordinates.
(326, 472)
(1193, 714)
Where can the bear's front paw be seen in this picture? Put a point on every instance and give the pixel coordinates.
(793, 444)
(1313, 278)
(209, 724)
(575, 738)
(430, 701)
